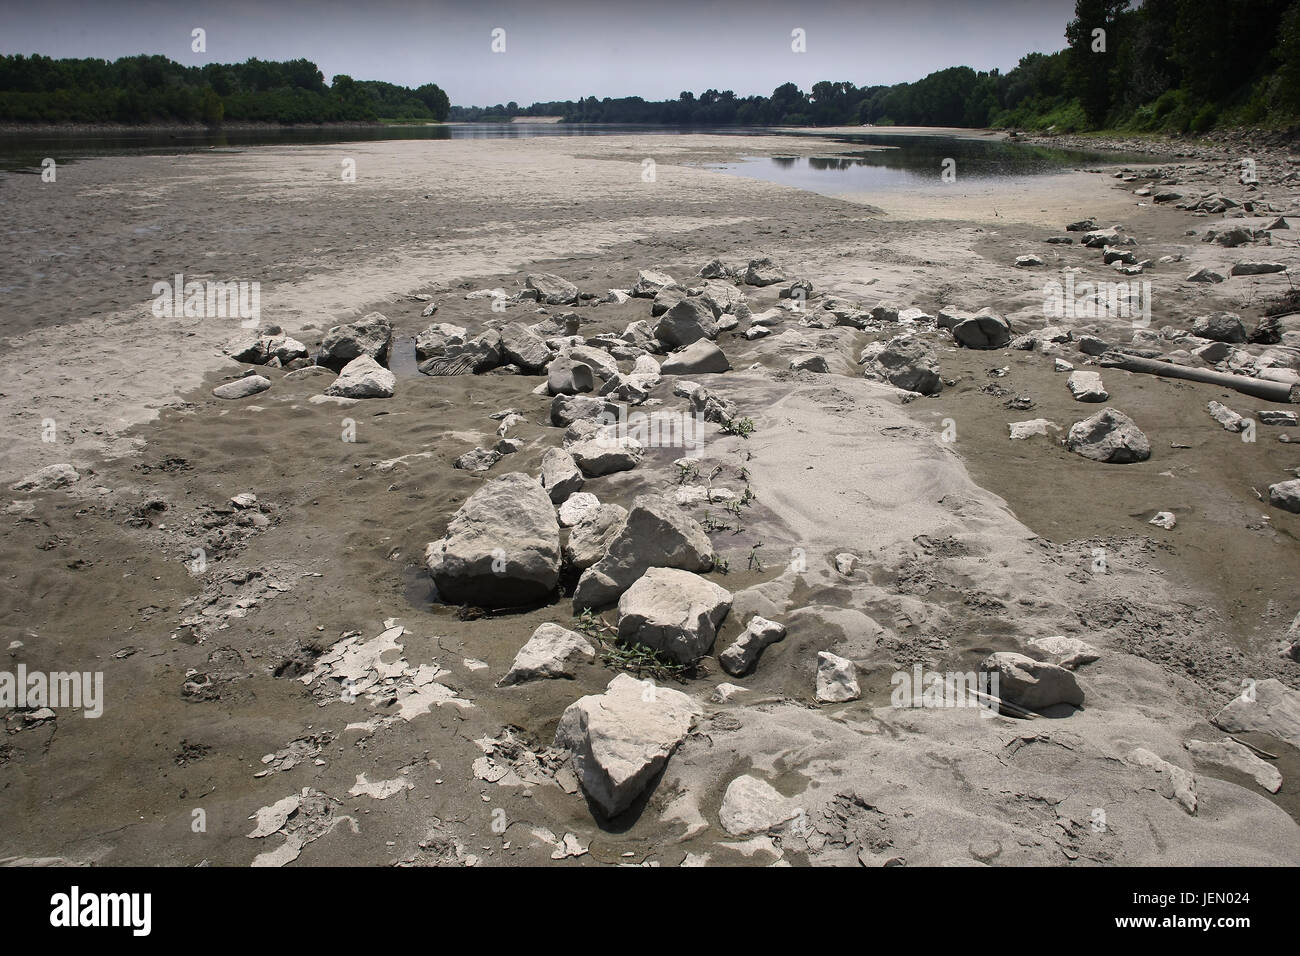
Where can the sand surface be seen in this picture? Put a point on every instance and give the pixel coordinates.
(966, 546)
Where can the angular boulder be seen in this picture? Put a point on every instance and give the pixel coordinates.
(371, 335)
(1032, 684)
(242, 387)
(550, 653)
(621, 739)
(984, 330)
(905, 362)
(688, 321)
(656, 534)
(673, 611)
(592, 535)
(739, 659)
(560, 475)
(697, 358)
(501, 549)
(363, 377)
(551, 289)
(1109, 436)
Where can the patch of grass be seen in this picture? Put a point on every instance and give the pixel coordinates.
(635, 658)
(744, 427)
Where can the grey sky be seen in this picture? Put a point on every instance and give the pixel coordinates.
(565, 50)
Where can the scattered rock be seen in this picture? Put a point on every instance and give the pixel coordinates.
(523, 347)
(1220, 327)
(569, 378)
(48, 478)
(1175, 782)
(549, 653)
(560, 475)
(739, 659)
(434, 340)
(576, 507)
(1030, 683)
(370, 336)
(1164, 519)
(1225, 416)
(551, 289)
(1255, 268)
(1028, 429)
(1087, 387)
(1067, 652)
(696, 359)
(688, 321)
(592, 535)
(751, 805)
(620, 740)
(604, 455)
(501, 549)
(763, 272)
(650, 283)
(837, 679)
(242, 387)
(363, 378)
(905, 362)
(1109, 436)
(673, 611)
(984, 330)
(1285, 495)
(1205, 275)
(1235, 756)
(656, 534)
(1272, 708)
(810, 363)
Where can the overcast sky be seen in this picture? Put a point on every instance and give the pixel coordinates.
(561, 50)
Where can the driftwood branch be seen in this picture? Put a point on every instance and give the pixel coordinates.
(1269, 391)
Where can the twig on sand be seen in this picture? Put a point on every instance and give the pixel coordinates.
(1262, 753)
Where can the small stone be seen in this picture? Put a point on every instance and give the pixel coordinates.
(1164, 519)
(836, 679)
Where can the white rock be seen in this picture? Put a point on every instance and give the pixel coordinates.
(1175, 782)
(1164, 519)
(47, 479)
(673, 611)
(622, 738)
(751, 805)
(1067, 652)
(1035, 426)
(363, 377)
(576, 507)
(1235, 756)
(836, 679)
(549, 653)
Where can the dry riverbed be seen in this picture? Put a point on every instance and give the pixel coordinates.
(276, 670)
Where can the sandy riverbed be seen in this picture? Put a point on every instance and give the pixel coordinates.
(967, 547)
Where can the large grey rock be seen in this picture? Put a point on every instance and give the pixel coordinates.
(1220, 327)
(650, 283)
(550, 653)
(696, 359)
(984, 330)
(751, 805)
(621, 739)
(604, 455)
(523, 347)
(763, 272)
(1267, 707)
(566, 409)
(48, 478)
(371, 335)
(262, 348)
(739, 659)
(1235, 756)
(656, 534)
(837, 679)
(600, 361)
(363, 377)
(1256, 268)
(666, 299)
(721, 297)
(673, 611)
(688, 321)
(569, 378)
(480, 354)
(560, 475)
(905, 362)
(1109, 436)
(1032, 684)
(1087, 387)
(435, 339)
(242, 387)
(591, 537)
(501, 549)
(551, 289)
(1285, 495)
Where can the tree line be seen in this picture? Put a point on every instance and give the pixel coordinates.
(154, 89)
(1166, 65)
